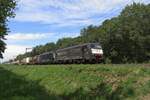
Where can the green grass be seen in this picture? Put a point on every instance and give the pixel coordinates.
(75, 82)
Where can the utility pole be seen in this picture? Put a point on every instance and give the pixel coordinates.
(28, 49)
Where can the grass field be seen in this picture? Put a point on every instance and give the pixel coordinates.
(75, 82)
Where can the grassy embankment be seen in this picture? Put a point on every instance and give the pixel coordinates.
(74, 82)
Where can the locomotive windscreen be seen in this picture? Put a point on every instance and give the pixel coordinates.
(96, 46)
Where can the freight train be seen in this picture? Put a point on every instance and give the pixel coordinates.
(83, 53)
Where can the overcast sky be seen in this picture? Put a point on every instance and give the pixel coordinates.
(41, 21)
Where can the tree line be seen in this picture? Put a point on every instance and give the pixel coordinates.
(7, 8)
(124, 39)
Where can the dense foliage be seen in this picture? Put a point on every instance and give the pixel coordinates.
(75, 82)
(125, 38)
(7, 8)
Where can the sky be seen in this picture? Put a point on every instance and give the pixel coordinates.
(38, 22)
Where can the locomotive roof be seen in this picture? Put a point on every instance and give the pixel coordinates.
(80, 45)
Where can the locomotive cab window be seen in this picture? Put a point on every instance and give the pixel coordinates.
(96, 49)
(96, 46)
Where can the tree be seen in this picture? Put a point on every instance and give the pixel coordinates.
(135, 22)
(7, 8)
(64, 42)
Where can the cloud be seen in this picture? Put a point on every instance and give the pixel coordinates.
(13, 50)
(27, 36)
(38, 36)
(65, 12)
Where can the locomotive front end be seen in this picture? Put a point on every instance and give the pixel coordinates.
(97, 52)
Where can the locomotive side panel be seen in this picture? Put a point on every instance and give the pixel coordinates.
(69, 54)
(75, 53)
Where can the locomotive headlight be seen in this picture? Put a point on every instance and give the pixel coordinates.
(97, 51)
